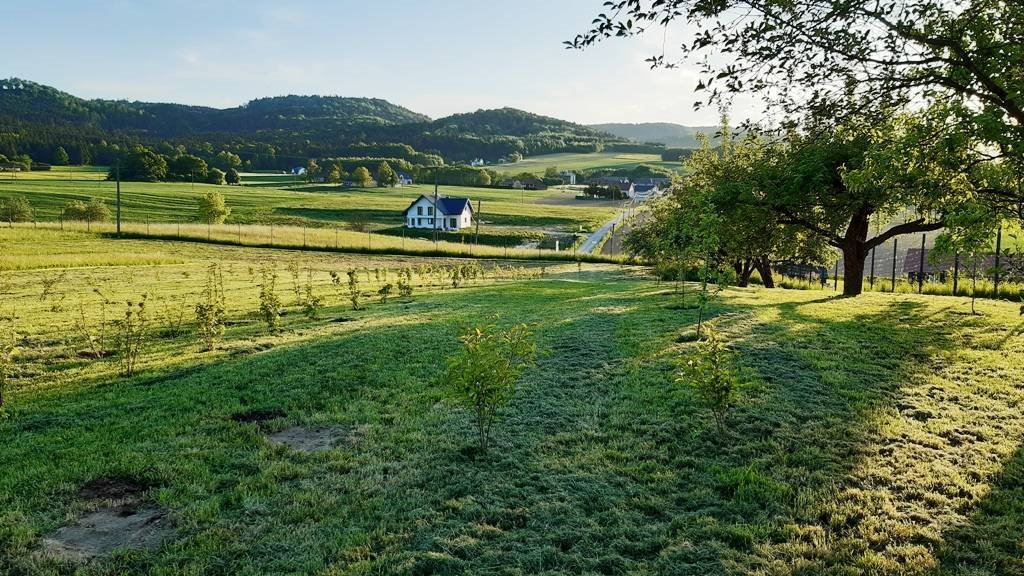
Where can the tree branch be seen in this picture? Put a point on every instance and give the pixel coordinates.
(918, 225)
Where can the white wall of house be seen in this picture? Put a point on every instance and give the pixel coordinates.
(421, 215)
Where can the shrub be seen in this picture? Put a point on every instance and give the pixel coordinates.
(384, 292)
(16, 209)
(95, 338)
(213, 209)
(311, 303)
(295, 270)
(131, 336)
(270, 303)
(483, 377)
(353, 289)
(211, 309)
(405, 283)
(710, 376)
(95, 210)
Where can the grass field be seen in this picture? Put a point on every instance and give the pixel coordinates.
(567, 161)
(509, 216)
(876, 435)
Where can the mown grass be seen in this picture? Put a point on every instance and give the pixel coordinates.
(511, 214)
(573, 161)
(876, 435)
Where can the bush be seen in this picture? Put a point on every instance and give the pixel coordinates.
(211, 310)
(384, 292)
(16, 209)
(131, 336)
(484, 376)
(215, 176)
(93, 211)
(270, 302)
(353, 289)
(213, 209)
(710, 376)
(311, 303)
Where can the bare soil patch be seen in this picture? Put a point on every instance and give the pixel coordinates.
(123, 520)
(311, 439)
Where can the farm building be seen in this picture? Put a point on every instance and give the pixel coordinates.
(453, 214)
(404, 179)
(568, 177)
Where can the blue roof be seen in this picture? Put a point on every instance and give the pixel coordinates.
(452, 205)
(643, 187)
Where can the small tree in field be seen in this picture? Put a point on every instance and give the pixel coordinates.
(710, 376)
(131, 336)
(311, 302)
(353, 289)
(361, 177)
(384, 292)
(483, 377)
(211, 310)
(213, 209)
(270, 302)
(16, 209)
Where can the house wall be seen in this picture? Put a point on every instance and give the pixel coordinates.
(413, 219)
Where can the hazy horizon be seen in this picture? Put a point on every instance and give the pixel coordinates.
(437, 60)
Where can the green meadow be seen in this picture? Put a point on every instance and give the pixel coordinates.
(877, 435)
(509, 217)
(576, 161)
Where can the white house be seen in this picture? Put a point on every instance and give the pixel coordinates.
(568, 177)
(404, 179)
(453, 214)
(477, 162)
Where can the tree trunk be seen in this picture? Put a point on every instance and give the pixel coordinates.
(764, 268)
(855, 252)
(744, 268)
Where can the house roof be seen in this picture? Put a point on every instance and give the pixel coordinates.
(644, 187)
(446, 206)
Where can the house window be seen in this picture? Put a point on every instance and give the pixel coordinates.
(453, 224)
(419, 210)
(421, 222)
(430, 210)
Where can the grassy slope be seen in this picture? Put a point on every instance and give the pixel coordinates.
(567, 161)
(875, 436)
(506, 212)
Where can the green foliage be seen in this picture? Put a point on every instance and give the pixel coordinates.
(187, 168)
(709, 374)
(270, 302)
(213, 209)
(483, 377)
(60, 157)
(211, 309)
(131, 336)
(361, 177)
(232, 176)
(384, 292)
(215, 176)
(16, 209)
(95, 210)
(405, 283)
(140, 165)
(311, 301)
(353, 289)
(386, 176)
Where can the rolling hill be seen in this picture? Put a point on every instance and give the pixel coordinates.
(35, 119)
(674, 135)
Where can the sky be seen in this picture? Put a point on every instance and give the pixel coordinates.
(436, 57)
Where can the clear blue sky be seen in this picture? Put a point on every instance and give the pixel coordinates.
(437, 57)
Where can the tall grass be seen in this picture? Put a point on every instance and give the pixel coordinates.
(330, 239)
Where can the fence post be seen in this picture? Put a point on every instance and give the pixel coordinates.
(835, 277)
(895, 253)
(920, 267)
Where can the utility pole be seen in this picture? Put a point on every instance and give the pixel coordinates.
(872, 280)
(117, 176)
(477, 222)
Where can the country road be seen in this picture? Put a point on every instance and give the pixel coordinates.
(594, 239)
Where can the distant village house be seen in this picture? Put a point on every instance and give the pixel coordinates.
(452, 214)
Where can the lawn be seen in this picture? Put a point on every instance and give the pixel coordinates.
(571, 161)
(877, 435)
(509, 216)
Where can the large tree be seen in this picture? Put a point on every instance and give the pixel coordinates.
(820, 53)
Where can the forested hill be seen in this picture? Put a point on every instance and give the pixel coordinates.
(36, 119)
(675, 135)
(22, 100)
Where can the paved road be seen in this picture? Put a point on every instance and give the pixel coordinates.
(594, 239)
